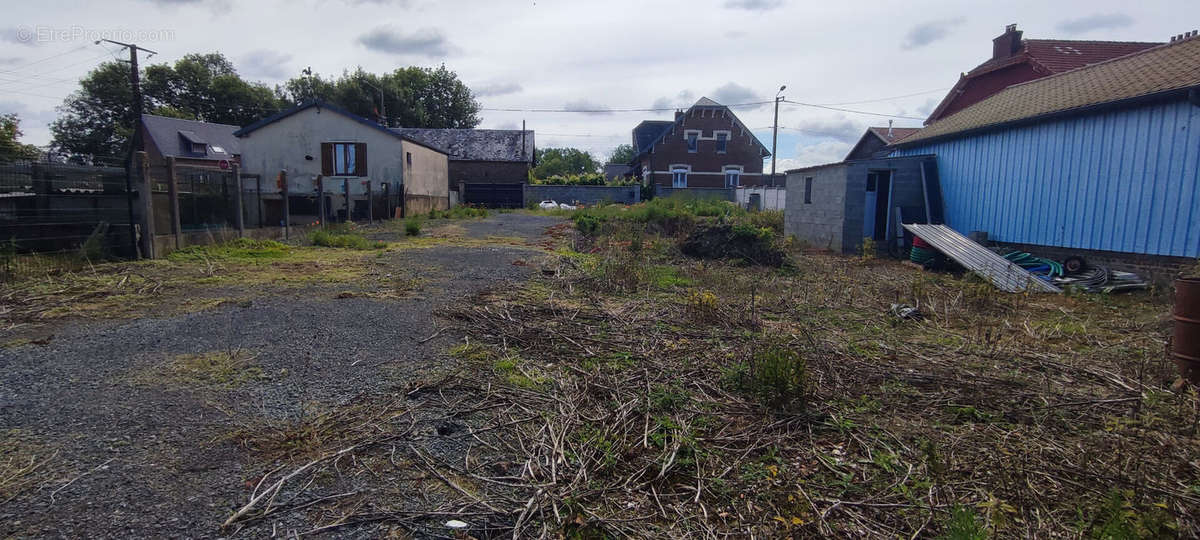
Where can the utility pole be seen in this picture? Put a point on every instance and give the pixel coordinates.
(382, 105)
(136, 140)
(775, 133)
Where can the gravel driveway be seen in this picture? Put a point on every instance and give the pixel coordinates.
(143, 459)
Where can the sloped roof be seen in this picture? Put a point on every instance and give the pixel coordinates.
(333, 108)
(477, 144)
(898, 133)
(1059, 55)
(1047, 57)
(1166, 68)
(649, 131)
(169, 134)
(667, 126)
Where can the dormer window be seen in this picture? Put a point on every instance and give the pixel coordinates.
(199, 148)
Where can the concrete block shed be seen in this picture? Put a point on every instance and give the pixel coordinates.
(836, 206)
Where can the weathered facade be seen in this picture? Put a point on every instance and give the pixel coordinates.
(316, 139)
(836, 206)
(1105, 158)
(705, 146)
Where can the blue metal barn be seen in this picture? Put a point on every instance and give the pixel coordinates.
(1106, 157)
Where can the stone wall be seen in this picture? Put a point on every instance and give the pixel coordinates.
(587, 195)
(820, 220)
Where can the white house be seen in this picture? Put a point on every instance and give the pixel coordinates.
(319, 140)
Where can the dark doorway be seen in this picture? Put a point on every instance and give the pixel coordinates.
(878, 196)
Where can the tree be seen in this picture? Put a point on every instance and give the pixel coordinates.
(97, 120)
(10, 148)
(563, 161)
(623, 153)
(412, 96)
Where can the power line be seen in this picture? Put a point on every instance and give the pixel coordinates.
(79, 48)
(852, 111)
(605, 111)
(884, 99)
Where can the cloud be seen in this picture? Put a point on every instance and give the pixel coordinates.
(927, 108)
(818, 153)
(753, 5)
(840, 128)
(733, 93)
(735, 34)
(682, 100)
(928, 32)
(423, 42)
(9, 60)
(496, 89)
(1098, 21)
(267, 64)
(586, 107)
(22, 35)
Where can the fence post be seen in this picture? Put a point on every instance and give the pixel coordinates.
(321, 200)
(173, 202)
(258, 207)
(346, 186)
(239, 205)
(147, 205)
(287, 204)
(370, 203)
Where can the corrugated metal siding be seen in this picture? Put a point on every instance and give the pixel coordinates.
(1117, 181)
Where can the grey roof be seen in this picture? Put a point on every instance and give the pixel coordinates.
(170, 134)
(476, 144)
(647, 132)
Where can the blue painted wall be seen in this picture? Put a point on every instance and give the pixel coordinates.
(1126, 180)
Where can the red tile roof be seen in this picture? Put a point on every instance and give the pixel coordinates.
(1044, 57)
(898, 133)
(1171, 67)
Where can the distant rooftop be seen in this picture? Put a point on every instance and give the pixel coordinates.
(476, 144)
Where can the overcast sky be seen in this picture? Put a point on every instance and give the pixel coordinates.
(583, 55)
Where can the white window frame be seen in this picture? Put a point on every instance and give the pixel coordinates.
(687, 135)
(680, 172)
(737, 176)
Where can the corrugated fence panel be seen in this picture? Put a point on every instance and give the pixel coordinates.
(1117, 181)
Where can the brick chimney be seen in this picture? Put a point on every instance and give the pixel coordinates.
(1007, 44)
(678, 114)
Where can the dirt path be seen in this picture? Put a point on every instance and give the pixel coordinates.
(122, 450)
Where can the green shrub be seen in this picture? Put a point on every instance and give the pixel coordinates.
(412, 226)
(777, 377)
(462, 211)
(964, 525)
(587, 224)
(334, 239)
(240, 248)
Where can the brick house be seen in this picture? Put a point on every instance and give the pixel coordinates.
(705, 146)
(1015, 60)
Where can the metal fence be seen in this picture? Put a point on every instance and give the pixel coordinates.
(57, 217)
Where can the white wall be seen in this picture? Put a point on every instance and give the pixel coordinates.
(773, 198)
(284, 145)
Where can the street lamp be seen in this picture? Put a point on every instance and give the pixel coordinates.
(775, 132)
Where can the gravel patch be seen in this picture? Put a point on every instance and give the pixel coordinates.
(137, 459)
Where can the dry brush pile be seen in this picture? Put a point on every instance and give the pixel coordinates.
(634, 392)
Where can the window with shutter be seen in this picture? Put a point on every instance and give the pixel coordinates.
(344, 159)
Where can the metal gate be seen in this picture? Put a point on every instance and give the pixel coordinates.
(495, 195)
